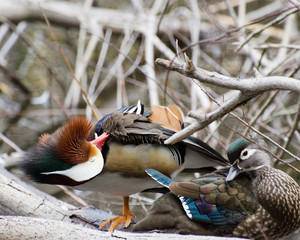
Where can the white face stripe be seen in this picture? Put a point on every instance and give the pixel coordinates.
(83, 171)
(253, 168)
(250, 153)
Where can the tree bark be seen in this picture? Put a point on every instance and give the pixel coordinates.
(15, 228)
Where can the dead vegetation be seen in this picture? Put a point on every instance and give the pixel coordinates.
(232, 65)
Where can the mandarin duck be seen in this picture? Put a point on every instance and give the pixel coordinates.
(254, 200)
(113, 157)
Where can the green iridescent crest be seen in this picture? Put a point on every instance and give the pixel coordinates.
(235, 148)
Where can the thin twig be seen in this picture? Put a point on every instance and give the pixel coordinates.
(273, 22)
(162, 16)
(261, 110)
(292, 130)
(10, 143)
(69, 65)
(73, 196)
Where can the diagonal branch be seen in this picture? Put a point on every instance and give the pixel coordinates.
(205, 119)
(248, 88)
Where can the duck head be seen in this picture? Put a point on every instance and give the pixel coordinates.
(245, 156)
(65, 157)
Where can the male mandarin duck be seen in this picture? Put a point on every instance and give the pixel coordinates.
(113, 157)
(253, 201)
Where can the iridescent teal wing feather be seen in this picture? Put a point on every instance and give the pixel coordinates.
(202, 206)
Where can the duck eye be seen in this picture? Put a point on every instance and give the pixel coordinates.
(244, 153)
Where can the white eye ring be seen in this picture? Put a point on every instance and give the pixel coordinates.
(246, 153)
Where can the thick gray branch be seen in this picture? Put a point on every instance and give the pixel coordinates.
(26, 201)
(16, 227)
(23, 199)
(247, 85)
(249, 88)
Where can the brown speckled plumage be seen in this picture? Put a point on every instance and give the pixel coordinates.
(279, 213)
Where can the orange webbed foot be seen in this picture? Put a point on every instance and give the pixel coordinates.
(116, 221)
(124, 219)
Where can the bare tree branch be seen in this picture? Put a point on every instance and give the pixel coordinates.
(205, 119)
(249, 86)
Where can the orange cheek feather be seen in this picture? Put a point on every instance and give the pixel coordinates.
(93, 151)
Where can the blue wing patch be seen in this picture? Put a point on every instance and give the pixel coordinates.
(159, 177)
(198, 209)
